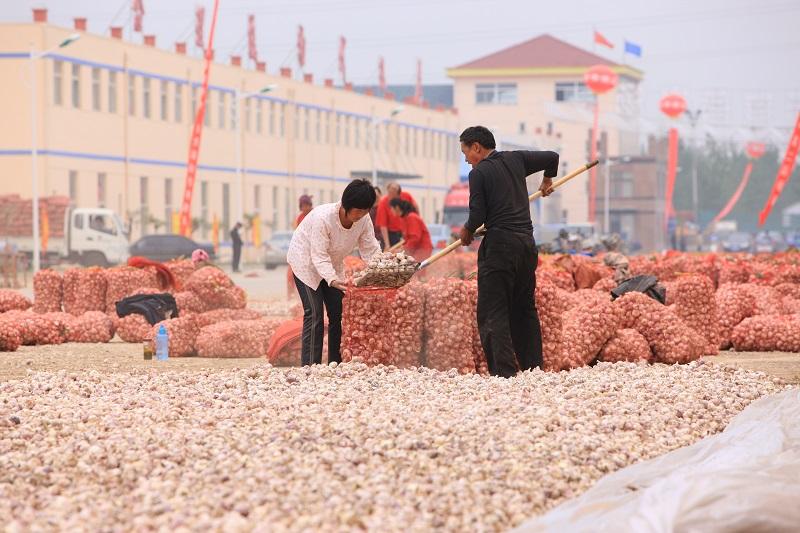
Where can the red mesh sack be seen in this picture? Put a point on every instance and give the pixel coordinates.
(767, 333)
(47, 292)
(367, 325)
(181, 269)
(626, 345)
(85, 290)
(734, 303)
(551, 306)
(38, 329)
(133, 328)
(182, 333)
(225, 315)
(789, 289)
(13, 301)
(693, 297)
(10, 335)
(212, 286)
(478, 355)
(407, 324)
(558, 277)
(90, 327)
(670, 339)
(125, 281)
(587, 328)
(791, 305)
(448, 326)
(733, 271)
(605, 285)
(285, 344)
(236, 338)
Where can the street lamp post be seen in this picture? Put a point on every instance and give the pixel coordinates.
(238, 97)
(374, 143)
(34, 144)
(694, 116)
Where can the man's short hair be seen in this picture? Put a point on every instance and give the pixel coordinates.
(480, 135)
(359, 194)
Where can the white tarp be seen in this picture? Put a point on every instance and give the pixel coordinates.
(746, 478)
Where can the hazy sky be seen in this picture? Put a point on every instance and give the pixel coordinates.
(742, 55)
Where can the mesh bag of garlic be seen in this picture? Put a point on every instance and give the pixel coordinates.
(85, 290)
(14, 301)
(124, 281)
(386, 269)
(407, 325)
(182, 333)
(47, 291)
(448, 326)
(767, 333)
(181, 269)
(367, 325)
(693, 298)
(236, 338)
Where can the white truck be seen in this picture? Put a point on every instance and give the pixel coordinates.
(85, 235)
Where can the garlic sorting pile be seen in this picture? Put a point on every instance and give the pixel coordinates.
(386, 269)
(339, 448)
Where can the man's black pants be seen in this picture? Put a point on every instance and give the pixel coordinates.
(509, 327)
(237, 255)
(314, 322)
(395, 237)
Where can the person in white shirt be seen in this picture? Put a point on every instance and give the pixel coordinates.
(316, 255)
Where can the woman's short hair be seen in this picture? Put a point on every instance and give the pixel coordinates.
(404, 205)
(359, 194)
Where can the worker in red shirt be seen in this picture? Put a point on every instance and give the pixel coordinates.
(306, 205)
(391, 226)
(415, 233)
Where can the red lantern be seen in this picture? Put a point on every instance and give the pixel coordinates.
(755, 150)
(600, 79)
(673, 105)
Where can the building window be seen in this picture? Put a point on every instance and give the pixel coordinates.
(204, 208)
(496, 93)
(274, 207)
(621, 185)
(272, 118)
(163, 100)
(194, 103)
(221, 110)
(521, 128)
(414, 143)
(257, 199)
(73, 187)
(112, 91)
(131, 95)
(306, 125)
(347, 130)
(95, 89)
(287, 204)
(178, 111)
(259, 115)
(327, 127)
(296, 122)
(144, 213)
(76, 86)
(573, 91)
(234, 112)
(282, 122)
(247, 114)
(226, 207)
(318, 125)
(168, 206)
(58, 74)
(207, 109)
(146, 97)
(338, 129)
(101, 189)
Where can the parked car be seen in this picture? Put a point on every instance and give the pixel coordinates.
(275, 249)
(763, 244)
(441, 235)
(793, 239)
(163, 247)
(738, 242)
(778, 241)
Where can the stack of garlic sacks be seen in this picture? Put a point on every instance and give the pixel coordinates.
(713, 302)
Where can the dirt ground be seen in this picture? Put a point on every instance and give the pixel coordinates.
(118, 356)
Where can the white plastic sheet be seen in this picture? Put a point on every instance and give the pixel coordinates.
(746, 478)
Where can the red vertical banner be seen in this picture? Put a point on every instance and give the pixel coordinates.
(784, 172)
(736, 194)
(137, 7)
(593, 157)
(381, 75)
(672, 169)
(197, 132)
(199, 15)
(252, 51)
(418, 88)
(301, 47)
(342, 69)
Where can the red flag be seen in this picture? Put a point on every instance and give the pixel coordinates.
(252, 52)
(672, 168)
(197, 131)
(138, 13)
(381, 75)
(301, 47)
(418, 88)
(784, 173)
(736, 194)
(199, 16)
(600, 39)
(342, 70)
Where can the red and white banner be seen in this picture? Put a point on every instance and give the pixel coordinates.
(301, 47)
(197, 132)
(138, 13)
(252, 51)
(342, 69)
(784, 172)
(199, 16)
(736, 194)
(381, 75)
(418, 87)
(672, 169)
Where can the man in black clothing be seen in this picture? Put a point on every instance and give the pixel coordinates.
(509, 326)
(236, 240)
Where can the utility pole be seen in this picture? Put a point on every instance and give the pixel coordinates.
(694, 116)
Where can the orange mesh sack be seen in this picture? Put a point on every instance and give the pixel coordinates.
(367, 325)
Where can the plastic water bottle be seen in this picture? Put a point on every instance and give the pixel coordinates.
(162, 344)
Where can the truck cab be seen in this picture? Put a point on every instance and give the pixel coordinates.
(95, 236)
